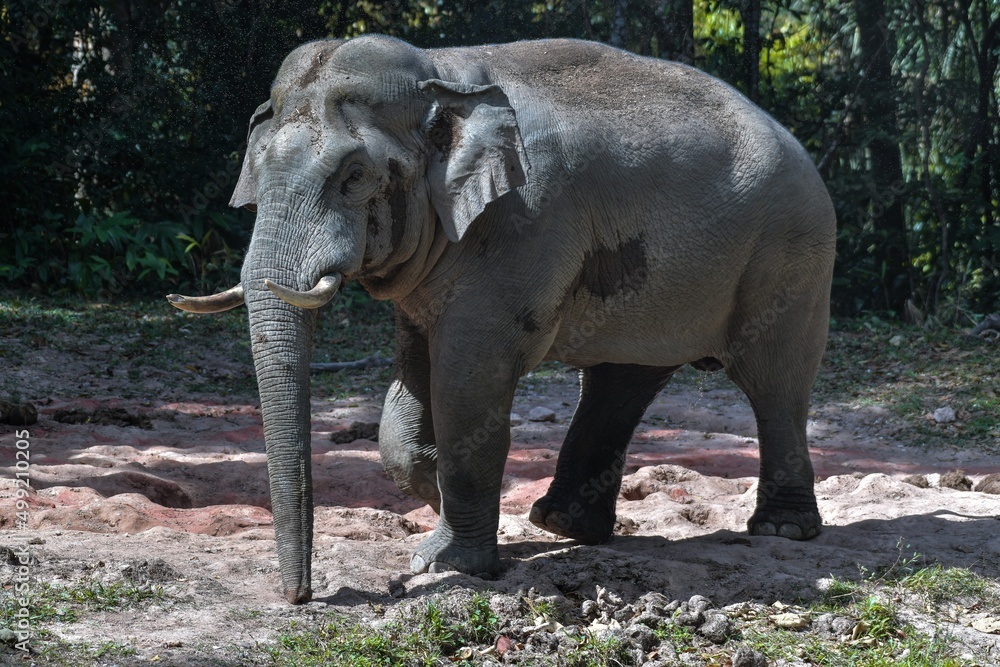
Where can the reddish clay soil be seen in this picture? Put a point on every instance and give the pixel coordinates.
(186, 498)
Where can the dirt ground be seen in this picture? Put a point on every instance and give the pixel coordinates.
(175, 493)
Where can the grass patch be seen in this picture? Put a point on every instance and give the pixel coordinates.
(434, 635)
(839, 594)
(911, 372)
(592, 651)
(911, 650)
(940, 584)
(65, 603)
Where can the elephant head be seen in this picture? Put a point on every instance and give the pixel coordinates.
(364, 164)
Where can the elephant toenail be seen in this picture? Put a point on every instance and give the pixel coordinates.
(766, 529)
(536, 516)
(417, 564)
(791, 531)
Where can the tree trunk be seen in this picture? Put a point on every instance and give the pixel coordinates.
(619, 25)
(876, 105)
(750, 12)
(675, 30)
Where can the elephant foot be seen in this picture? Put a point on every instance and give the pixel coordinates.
(573, 518)
(439, 553)
(792, 524)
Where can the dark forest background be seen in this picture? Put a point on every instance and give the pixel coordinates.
(122, 125)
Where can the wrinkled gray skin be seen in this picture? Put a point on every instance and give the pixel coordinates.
(540, 200)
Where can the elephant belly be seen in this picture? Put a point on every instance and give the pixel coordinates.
(648, 332)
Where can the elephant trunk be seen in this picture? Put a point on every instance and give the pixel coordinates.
(281, 337)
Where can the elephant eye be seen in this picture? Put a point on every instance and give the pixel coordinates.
(356, 182)
(354, 175)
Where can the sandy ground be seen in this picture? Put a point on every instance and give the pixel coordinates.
(181, 500)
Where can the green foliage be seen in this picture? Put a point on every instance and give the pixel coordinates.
(424, 639)
(941, 583)
(123, 131)
(65, 604)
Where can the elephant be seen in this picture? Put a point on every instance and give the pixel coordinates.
(540, 200)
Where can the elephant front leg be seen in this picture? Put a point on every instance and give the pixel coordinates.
(406, 433)
(471, 404)
(580, 502)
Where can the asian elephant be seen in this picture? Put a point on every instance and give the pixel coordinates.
(554, 199)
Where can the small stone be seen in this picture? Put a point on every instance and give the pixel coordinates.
(689, 618)
(624, 614)
(989, 484)
(747, 657)
(699, 603)
(589, 609)
(654, 603)
(541, 414)
(944, 415)
(956, 479)
(642, 637)
(716, 628)
(918, 481)
(841, 625)
(516, 419)
(648, 619)
(356, 431)
(608, 599)
(396, 588)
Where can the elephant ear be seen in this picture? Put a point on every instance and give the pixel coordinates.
(476, 151)
(245, 194)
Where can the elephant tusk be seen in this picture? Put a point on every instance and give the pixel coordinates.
(314, 298)
(216, 303)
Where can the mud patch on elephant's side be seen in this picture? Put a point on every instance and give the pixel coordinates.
(609, 272)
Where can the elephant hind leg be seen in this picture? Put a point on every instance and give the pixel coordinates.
(406, 433)
(776, 367)
(580, 502)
